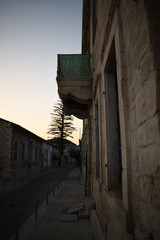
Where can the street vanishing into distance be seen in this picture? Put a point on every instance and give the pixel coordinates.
(23, 200)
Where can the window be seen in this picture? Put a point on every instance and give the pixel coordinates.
(30, 153)
(36, 154)
(114, 161)
(97, 141)
(23, 151)
(39, 155)
(15, 151)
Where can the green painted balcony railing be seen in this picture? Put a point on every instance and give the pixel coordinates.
(74, 66)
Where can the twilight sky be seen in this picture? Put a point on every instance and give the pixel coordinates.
(32, 33)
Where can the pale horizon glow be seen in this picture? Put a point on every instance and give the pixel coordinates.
(32, 34)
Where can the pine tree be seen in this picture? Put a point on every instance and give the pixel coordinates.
(61, 125)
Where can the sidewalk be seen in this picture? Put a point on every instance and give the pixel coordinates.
(54, 221)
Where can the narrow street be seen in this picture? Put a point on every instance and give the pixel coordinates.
(24, 198)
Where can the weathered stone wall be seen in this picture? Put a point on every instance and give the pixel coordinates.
(143, 127)
(21, 151)
(137, 23)
(5, 148)
(84, 149)
(2, 148)
(29, 153)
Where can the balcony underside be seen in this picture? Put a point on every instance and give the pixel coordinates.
(76, 95)
(76, 89)
(74, 83)
(72, 107)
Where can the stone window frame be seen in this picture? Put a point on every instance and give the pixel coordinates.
(117, 38)
(113, 130)
(96, 130)
(97, 103)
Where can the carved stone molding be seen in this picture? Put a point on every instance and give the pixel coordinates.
(78, 90)
(112, 10)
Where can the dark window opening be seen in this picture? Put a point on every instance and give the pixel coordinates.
(23, 151)
(114, 158)
(15, 151)
(30, 151)
(97, 141)
(36, 157)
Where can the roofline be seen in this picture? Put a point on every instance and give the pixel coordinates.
(16, 126)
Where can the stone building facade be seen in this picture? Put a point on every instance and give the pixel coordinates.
(120, 105)
(22, 152)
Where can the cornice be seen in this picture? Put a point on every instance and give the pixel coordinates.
(111, 14)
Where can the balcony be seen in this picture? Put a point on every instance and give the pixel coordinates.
(74, 83)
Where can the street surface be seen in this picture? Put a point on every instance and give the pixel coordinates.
(24, 198)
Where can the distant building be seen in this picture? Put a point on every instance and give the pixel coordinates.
(114, 85)
(68, 146)
(21, 151)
